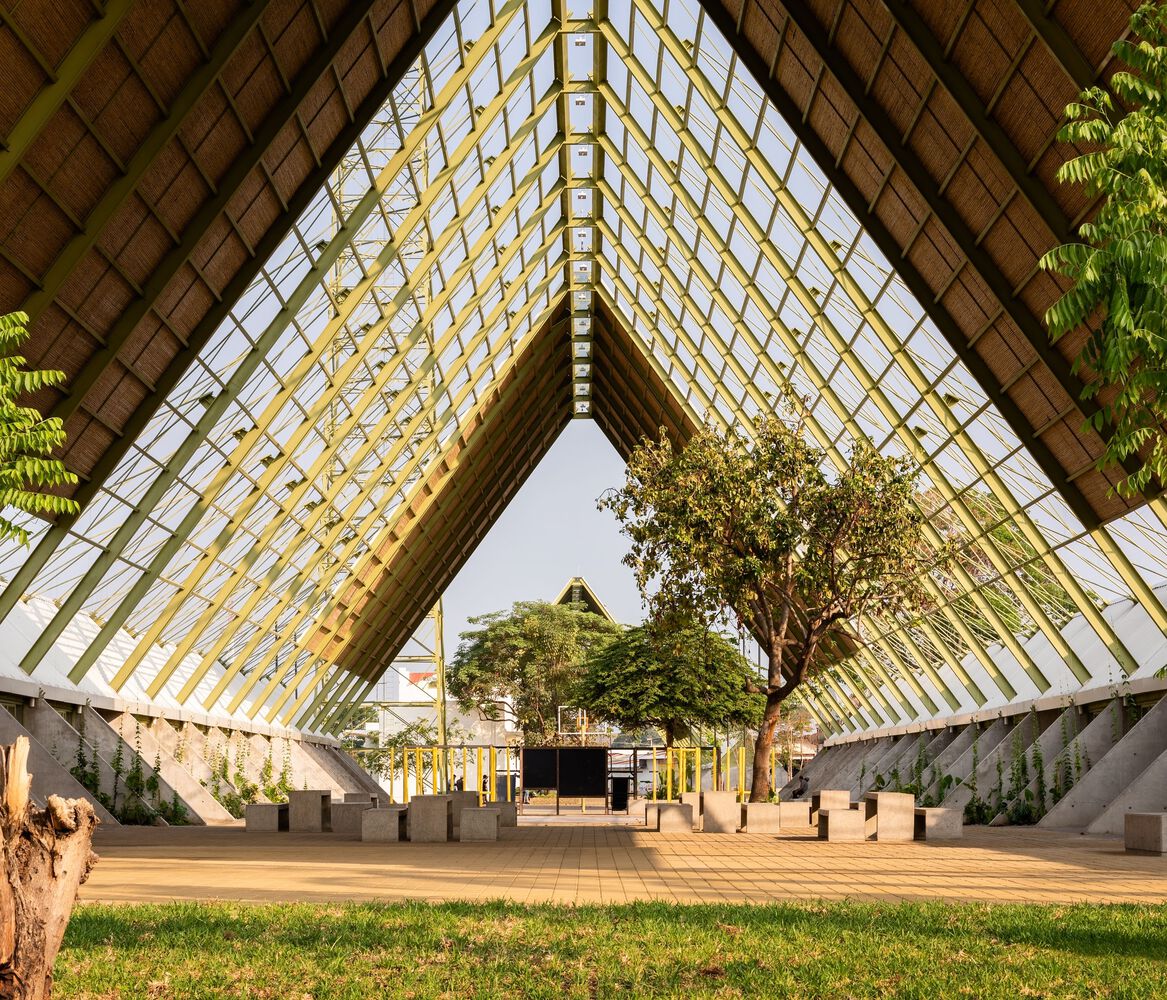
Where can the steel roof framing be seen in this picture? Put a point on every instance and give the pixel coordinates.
(392, 350)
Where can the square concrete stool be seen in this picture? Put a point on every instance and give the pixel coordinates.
(1145, 833)
(347, 818)
(674, 817)
(479, 825)
(761, 817)
(939, 824)
(796, 813)
(431, 819)
(828, 798)
(460, 801)
(652, 815)
(385, 825)
(841, 825)
(694, 799)
(720, 812)
(508, 813)
(373, 800)
(310, 811)
(889, 816)
(266, 817)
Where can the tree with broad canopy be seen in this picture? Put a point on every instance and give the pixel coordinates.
(757, 526)
(522, 665)
(675, 679)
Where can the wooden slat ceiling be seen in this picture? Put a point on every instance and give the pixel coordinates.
(156, 154)
(936, 123)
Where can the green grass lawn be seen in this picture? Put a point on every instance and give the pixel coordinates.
(835, 950)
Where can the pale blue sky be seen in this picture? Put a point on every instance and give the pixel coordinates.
(550, 532)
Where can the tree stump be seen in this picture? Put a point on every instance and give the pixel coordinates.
(44, 857)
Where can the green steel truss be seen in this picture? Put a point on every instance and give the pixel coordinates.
(538, 161)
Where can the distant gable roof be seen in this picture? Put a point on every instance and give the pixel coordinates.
(577, 591)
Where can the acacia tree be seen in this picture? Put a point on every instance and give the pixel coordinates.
(522, 664)
(673, 679)
(760, 528)
(1119, 269)
(27, 440)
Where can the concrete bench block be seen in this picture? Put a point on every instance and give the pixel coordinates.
(761, 817)
(674, 817)
(651, 815)
(347, 819)
(934, 823)
(431, 819)
(508, 813)
(1145, 832)
(828, 798)
(373, 800)
(460, 801)
(889, 816)
(720, 812)
(479, 824)
(694, 799)
(384, 825)
(310, 811)
(265, 817)
(841, 825)
(795, 813)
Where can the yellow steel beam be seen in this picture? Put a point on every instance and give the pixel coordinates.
(806, 299)
(939, 407)
(516, 442)
(663, 220)
(433, 436)
(372, 518)
(420, 449)
(318, 408)
(432, 496)
(534, 423)
(368, 203)
(434, 309)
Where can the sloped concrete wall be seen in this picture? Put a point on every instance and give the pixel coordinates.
(987, 743)
(1054, 738)
(202, 807)
(1147, 793)
(366, 782)
(823, 758)
(307, 769)
(847, 776)
(1114, 770)
(338, 773)
(106, 738)
(825, 777)
(52, 729)
(900, 759)
(999, 761)
(176, 738)
(49, 775)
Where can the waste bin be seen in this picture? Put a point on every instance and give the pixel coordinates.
(620, 789)
(500, 787)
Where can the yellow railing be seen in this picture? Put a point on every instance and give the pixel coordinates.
(432, 769)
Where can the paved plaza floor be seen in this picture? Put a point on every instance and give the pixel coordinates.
(596, 863)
